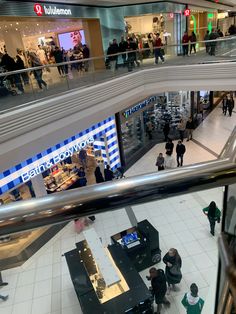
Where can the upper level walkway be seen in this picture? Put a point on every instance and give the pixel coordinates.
(88, 72)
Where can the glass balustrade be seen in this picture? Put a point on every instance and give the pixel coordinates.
(23, 86)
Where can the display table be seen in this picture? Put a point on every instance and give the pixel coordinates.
(141, 244)
(135, 299)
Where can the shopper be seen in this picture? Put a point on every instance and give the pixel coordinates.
(192, 302)
(98, 175)
(193, 40)
(230, 106)
(213, 213)
(189, 128)
(181, 128)
(82, 177)
(149, 129)
(173, 273)
(20, 66)
(132, 54)
(123, 46)
(35, 62)
(160, 163)
(169, 146)
(113, 49)
(185, 41)
(83, 158)
(58, 55)
(159, 287)
(86, 55)
(180, 151)
(108, 174)
(158, 49)
(213, 37)
(169, 162)
(224, 104)
(166, 130)
(207, 38)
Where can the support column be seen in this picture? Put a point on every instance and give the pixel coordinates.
(38, 186)
(13, 40)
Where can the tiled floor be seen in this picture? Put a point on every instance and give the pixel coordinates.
(43, 286)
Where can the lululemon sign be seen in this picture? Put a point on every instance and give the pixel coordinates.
(50, 10)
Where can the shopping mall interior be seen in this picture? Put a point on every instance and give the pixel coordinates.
(117, 167)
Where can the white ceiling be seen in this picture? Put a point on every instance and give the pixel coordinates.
(205, 3)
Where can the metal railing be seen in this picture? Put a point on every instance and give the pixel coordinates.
(65, 206)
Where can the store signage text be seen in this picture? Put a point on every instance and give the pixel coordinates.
(26, 176)
(50, 10)
(187, 12)
(138, 107)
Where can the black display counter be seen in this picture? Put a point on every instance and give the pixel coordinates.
(144, 250)
(136, 300)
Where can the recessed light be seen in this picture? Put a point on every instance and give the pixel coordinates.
(17, 23)
(16, 29)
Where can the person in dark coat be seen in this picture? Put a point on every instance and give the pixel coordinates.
(159, 287)
(173, 268)
(111, 51)
(160, 163)
(166, 130)
(224, 105)
(169, 146)
(189, 129)
(82, 177)
(108, 174)
(213, 214)
(58, 55)
(230, 106)
(193, 39)
(180, 151)
(98, 175)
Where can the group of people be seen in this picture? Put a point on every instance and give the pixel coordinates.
(228, 105)
(168, 162)
(163, 282)
(210, 38)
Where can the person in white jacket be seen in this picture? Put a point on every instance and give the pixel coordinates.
(170, 162)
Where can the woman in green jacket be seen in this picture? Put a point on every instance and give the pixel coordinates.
(192, 302)
(213, 213)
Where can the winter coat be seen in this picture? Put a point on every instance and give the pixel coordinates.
(192, 304)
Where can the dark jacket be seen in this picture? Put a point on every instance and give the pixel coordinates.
(123, 46)
(159, 287)
(170, 278)
(98, 175)
(169, 147)
(113, 49)
(108, 175)
(166, 128)
(189, 125)
(8, 62)
(86, 52)
(58, 55)
(180, 149)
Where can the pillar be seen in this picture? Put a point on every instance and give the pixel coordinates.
(38, 186)
(13, 40)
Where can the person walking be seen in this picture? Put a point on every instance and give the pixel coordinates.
(98, 175)
(193, 40)
(158, 49)
(207, 44)
(189, 129)
(169, 146)
(180, 151)
(230, 106)
(58, 56)
(149, 129)
(108, 174)
(38, 74)
(213, 37)
(181, 127)
(160, 163)
(185, 41)
(224, 105)
(111, 51)
(213, 213)
(166, 130)
(123, 46)
(192, 302)
(169, 162)
(173, 273)
(159, 287)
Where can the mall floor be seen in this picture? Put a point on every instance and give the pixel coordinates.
(43, 285)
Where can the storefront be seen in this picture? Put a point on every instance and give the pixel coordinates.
(141, 126)
(201, 20)
(56, 163)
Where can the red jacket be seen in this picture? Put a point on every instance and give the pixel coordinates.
(185, 39)
(158, 42)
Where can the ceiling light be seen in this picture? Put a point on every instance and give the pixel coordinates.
(17, 23)
(11, 24)
(37, 24)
